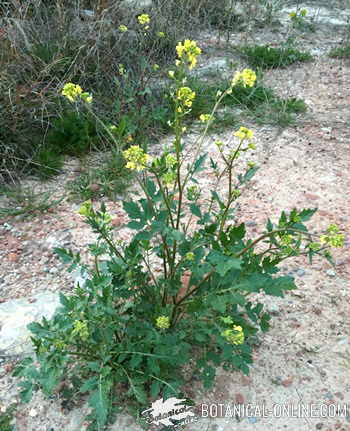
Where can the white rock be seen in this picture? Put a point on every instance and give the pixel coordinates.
(16, 314)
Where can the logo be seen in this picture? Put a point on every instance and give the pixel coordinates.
(169, 411)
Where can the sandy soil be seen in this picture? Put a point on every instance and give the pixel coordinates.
(305, 358)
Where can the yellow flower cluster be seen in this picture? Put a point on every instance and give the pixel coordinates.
(163, 322)
(334, 238)
(204, 118)
(247, 78)
(136, 158)
(123, 28)
(74, 92)
(170, 160)
(244, 133)
(185, 96)
(234, 335)
(189, 255)
(293, 15)
(188, 52)
(144, 19)
(86, 209)
(80, 329)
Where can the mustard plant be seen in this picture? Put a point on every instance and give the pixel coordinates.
(181, 290)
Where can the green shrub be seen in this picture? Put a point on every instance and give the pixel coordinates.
(267, 57)
(7, 417)
(72, 134)
(26, 202)
(130, 324)
(340, 52)
(259, 102)
(47, 163)
(111, 179)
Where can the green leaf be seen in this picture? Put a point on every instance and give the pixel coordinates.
(65, 301)
(248, 175)
(195, 210)
(100, 402)
(216, 198)
(89, 384)
(143, 236)
(135, 225)
(208, 376)
(283, 219)
(155, 388)
(306, 214)
(222, 262)
(135, 361)
(277, 286)
(132, 209)
(151, 188)
(27, 392)
(231, 263)
(265, 322)
(237, 233)
(219, 303)
(269, 225)
(237, 298)
(140, 394)
(198, 164)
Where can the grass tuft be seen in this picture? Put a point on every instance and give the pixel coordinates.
(267, 57)
(340, 52)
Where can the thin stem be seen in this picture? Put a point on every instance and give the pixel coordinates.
(265, 235)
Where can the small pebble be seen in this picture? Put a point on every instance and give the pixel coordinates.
(301, 272)
(331, 272)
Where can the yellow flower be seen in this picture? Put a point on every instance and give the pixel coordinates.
(112, 128)
(86, 209)
(86, 97)
(80, 329)
(251, 164)
(169, 178)
(189, 255)
(144, 19)
(185, 96)
(155, 67)
(219, 144)
(136, 158)
(121, 69)
(188, 52)
(163, 322)
(303, 12)
(171, 73)
(170, 161)
(123, 28)
(247, 78)
(72, 91)
(293, 15)
(234, 335)
(334, 239)
(161, 34)
(244, 133)
(204, 118)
